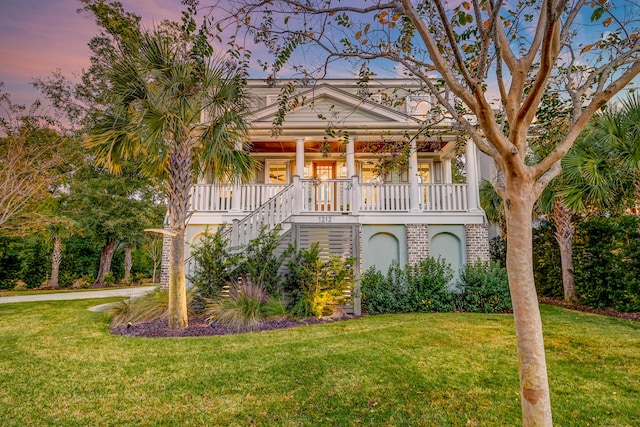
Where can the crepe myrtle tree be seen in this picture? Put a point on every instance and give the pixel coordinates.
(479, 51)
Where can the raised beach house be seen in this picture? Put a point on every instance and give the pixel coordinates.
(323, 177)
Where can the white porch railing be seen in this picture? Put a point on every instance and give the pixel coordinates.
(255, 195)
(211, 197)
(443, 197)
(384, 197)
(219, 197)
(330, 196)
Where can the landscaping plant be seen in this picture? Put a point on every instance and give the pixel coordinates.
(260, 262)
(215, 263)
(423, 287)
(150, 307)
(246, 307)
(318, 287)
(483, 287)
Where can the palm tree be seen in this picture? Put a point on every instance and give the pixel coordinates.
(601, 173)
(176, 114)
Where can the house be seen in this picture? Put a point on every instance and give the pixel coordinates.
(323, 180)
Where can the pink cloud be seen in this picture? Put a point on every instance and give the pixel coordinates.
(37, 37)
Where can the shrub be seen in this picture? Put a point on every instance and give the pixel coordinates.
(109, 279)
(381, 294)
(20, 286)
(214, 264)
(83, 282)
(607, 262)
(484, 288)
(246, 307)
(423, 287)
(318, 287)
(547, 268)
(260, 261)
(428, 286)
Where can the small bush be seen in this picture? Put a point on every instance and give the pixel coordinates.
(428, 286)
(214, 264)
(484, 288)
(381, 294)
(318, 287)
(261, 261)
(83, 282)
(109, 279)
(245, 309)
(20, 286)
(423, 287)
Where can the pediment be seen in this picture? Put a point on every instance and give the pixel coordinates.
(325, 105)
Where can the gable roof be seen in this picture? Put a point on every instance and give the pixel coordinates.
(327, 106)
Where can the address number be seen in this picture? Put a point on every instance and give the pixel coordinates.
(325, 219)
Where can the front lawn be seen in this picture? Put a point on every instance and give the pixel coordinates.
(60, 366)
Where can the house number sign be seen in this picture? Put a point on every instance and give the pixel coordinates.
(324, 219)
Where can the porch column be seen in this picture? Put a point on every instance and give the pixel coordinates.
(236, 202)
(473, 187)
(351, 158)
(447, 174)
(414, 189)
(300, 157)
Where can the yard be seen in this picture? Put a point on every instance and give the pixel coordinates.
(60, 366)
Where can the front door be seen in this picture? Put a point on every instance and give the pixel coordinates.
(325, 188)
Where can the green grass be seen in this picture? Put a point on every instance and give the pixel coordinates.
(60, 366)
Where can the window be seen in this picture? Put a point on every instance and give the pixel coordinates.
(369, 174)
(276, 172)
(424, 173)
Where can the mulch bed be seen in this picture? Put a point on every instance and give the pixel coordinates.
(579, 307)
(198, 327)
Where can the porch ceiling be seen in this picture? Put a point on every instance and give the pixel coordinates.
(289, 146)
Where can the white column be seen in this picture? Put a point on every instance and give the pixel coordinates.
(414, 190)
(236, 202)
(351, 158)
(300, 157)
(447, 174)
(473, 186)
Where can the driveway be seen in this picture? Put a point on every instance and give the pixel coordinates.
(104, 293)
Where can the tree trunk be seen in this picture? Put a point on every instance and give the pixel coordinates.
(128, 264)
(56, 258)
(534, 384)
(177, 284)
(155, 268)
(105, 262)
(178, 194)
(565, 230)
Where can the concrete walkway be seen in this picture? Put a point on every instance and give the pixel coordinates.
(105, 293)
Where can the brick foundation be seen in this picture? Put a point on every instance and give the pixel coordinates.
(417, 242)
(477, 242)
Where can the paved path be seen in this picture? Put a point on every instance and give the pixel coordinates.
(105, 293)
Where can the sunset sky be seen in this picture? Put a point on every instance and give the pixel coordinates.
(39, 36)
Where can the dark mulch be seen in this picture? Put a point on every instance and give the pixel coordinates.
(579, 307)
(198, 327)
